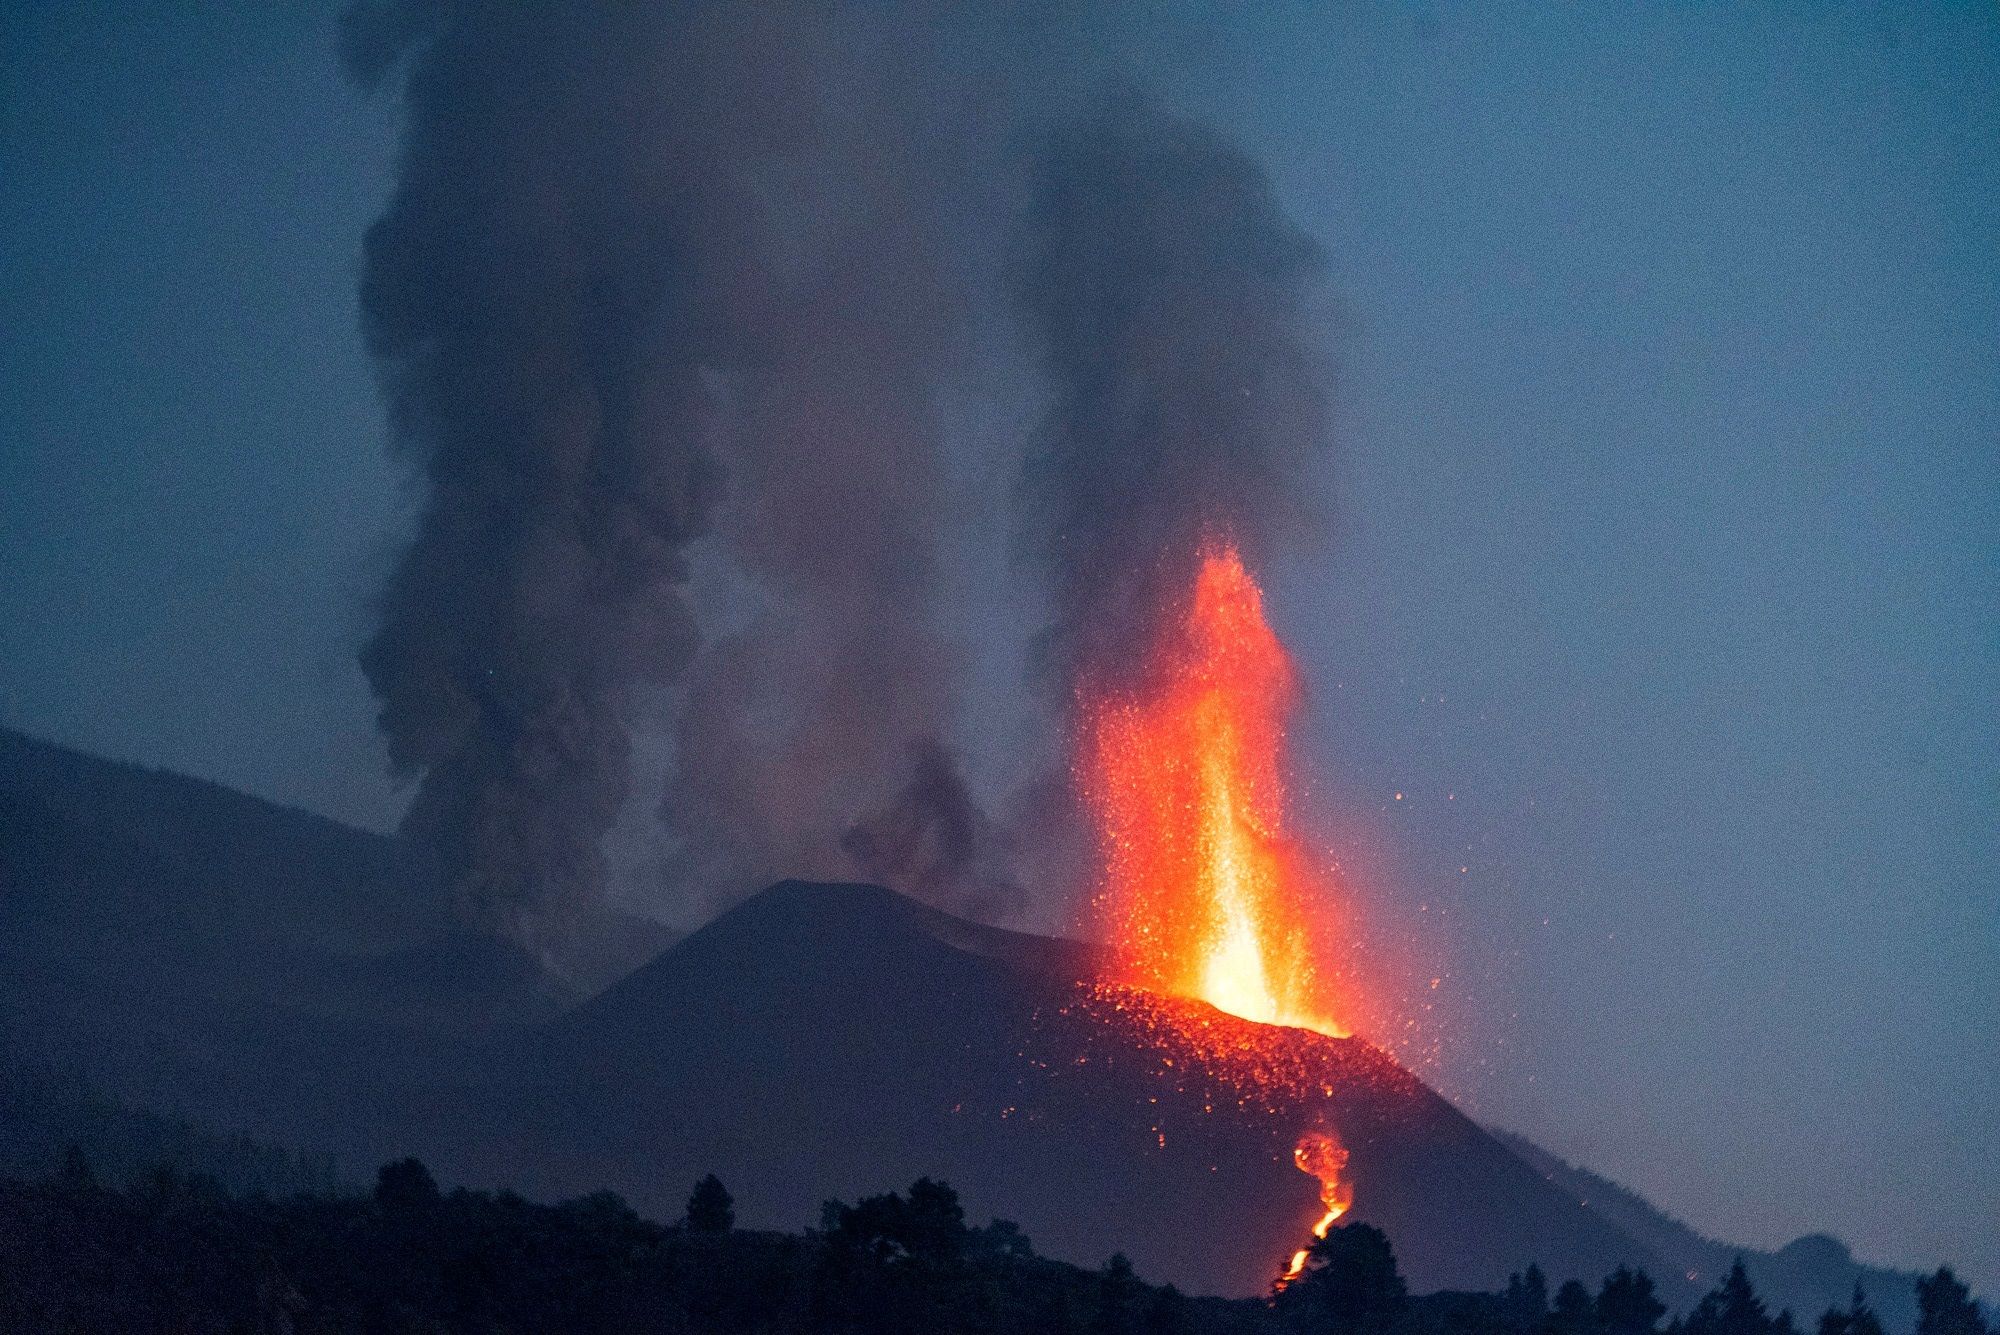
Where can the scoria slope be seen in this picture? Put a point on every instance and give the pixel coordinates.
(826, 1041)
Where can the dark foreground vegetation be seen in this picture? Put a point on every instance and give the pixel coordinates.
(179, 1253)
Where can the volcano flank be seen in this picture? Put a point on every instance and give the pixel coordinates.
(822, 1040)
(819, 1041)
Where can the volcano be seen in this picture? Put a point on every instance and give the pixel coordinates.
(826, 1041)
(818, 1041)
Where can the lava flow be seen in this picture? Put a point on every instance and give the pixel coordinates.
(1205, 895)
(1321, 1154)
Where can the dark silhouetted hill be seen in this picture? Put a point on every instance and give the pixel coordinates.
(822, 1038)
(190, 948)
(1807, 1275)
(45, 1116)
(262, 971)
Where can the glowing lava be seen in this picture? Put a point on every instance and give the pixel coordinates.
(1205, 895)
(1320, 1154)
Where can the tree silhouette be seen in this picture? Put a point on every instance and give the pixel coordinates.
(1858, 1319)
(1945, 1306)
(181, 1253)
(1626, 1305)
(1167, 1314)
(1001, 1237)
(934, 1229)
(1117, 1292)
(73, 1173)
(1573, 1312)
(1526, 1302)
(1350, 1285)
(709, 1207)
(1731, 1308)
(405, 1186)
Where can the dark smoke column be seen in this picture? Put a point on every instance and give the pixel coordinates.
(1164, 293)
(536, 297)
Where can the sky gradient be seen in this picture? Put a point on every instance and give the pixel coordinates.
(1663, 578)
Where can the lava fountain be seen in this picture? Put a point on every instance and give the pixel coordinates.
(1204, 894)
(1183, 765)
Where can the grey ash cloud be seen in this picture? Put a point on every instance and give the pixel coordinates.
(562, 269)
(1167, 299)
(679, 281)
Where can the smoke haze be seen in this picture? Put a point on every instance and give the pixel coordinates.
(659, 274)
(836, 697)
(1164, 294)
(556, 273)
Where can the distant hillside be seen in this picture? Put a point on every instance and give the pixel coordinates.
(1807, 1275)
(43, 1116)
(255, 966)
(100, 859)
(92, 848)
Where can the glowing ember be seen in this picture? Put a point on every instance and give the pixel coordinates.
(1320, 1154)
(1205, 895)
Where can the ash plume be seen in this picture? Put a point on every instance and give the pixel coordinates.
(654, 273)
(829, 707)
(662, 281)
(935, 842)
(1165, 295)
(561, 270)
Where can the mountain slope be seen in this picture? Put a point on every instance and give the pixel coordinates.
(88, 845)
(259, 969)
(188, 947)
(1807, 1275)
(823, 1040)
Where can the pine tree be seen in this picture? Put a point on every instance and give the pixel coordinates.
(1731, 1308)
(709, 1207)
(1527, 1298)
(1945, 1306)
(1858, 1319)
(1573, 1313)
(1626, 1305)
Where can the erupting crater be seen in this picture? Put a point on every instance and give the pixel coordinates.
(1203, 893)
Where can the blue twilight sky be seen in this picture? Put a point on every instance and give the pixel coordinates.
(1664, 583)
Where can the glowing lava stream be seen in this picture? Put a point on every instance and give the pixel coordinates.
(1320, 1154)
(1205, 895)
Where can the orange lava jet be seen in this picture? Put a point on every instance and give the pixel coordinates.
(1320, 1154)
(1205, 895)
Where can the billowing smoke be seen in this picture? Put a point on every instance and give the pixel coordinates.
(814, 713)
(934, 840)
(1166, 296)
(560, 275)
(659, 273)
(645, 276)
